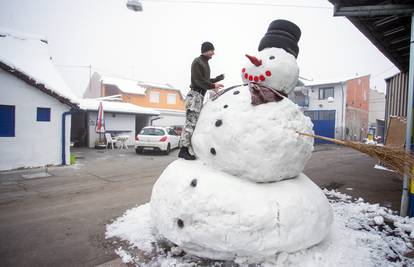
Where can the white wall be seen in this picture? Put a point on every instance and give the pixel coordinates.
(35, 143)
(119, 122)
(169, 119)
(376, 107)
(338, 105)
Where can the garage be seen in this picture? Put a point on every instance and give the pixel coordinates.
(323, 123)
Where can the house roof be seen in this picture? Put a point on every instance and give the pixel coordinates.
(125, 85)
(27, 57)
(116, 107)
(333, 81)
(387, 24)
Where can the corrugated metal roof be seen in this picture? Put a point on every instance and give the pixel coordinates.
(389, 33)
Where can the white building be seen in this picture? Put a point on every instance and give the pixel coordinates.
(120, 118)
(338, 109)
(324, 102)
(35, 104)
(376, 115)
(162, 97)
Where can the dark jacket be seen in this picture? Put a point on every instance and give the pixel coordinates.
(200, 75)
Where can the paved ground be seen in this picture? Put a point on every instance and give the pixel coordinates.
(60, 220)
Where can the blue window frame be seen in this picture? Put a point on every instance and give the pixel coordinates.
(43, 114)
(7, 121)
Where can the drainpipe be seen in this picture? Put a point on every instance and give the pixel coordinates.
(405, 201)
(64, 114)
(343, 111)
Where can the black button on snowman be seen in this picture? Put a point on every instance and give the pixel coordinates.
(245, 196)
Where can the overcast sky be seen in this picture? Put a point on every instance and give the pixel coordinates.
(159, 44)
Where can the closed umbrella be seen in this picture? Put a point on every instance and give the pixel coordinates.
(100, 122)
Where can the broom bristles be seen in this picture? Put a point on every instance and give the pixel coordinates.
(394, 158)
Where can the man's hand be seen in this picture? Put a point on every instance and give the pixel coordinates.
(219, 78)
(217, 86)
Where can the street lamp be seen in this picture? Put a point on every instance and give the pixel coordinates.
(134, 5)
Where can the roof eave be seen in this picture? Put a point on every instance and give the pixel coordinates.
(29, 80)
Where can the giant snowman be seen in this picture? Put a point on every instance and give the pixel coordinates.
(246, 196)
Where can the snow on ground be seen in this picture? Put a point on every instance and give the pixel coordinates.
(363, 234)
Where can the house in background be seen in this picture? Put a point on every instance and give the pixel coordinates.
(376, 115)
(35, 104)
(161, 97)
(120, 118)
(338, 109)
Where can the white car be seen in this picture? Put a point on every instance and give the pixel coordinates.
(153, 138)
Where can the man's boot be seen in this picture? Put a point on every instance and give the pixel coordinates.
(185, 154)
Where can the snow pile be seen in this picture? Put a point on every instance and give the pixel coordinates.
(258, 143)
(356, 240)
(29, 55)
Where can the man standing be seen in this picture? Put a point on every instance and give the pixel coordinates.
(200, 83)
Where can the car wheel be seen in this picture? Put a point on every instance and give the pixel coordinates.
(138, 150)
(167, 152)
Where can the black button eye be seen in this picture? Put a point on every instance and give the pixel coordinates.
(271, 57)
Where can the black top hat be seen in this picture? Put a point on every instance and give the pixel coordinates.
(282, 34)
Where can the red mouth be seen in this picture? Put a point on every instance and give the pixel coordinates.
(256, 78)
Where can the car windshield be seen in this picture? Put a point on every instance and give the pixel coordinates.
(152, 131)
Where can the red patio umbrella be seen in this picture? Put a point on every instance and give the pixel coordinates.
(100, 121)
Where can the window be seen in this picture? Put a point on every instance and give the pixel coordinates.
(7, 119)
(324, 93)
(172, 132)
(155, 97)
(152, 131)
(171, 99)
(43, 114)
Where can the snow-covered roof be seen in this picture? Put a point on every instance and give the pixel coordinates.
(322, 82)
(27, 57)
(125, 85)
(156, 85)
(117, 107)
(331, 81)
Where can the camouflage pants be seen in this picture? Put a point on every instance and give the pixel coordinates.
(193, 105)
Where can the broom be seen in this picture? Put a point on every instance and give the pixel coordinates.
(393, 158)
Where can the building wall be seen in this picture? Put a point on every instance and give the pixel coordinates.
(397, 95)
(323, 104)
(376, 107)
(357, 106)
(170, 118)
(145, 101)
(113, 122)
(35, 143)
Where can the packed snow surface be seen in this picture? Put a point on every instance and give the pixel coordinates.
(258, 143)
(218, 216)
(355, 240)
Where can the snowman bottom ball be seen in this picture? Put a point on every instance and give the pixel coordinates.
(214, 215)
(259, 143)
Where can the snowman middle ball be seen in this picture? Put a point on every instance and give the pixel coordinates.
(259, 143)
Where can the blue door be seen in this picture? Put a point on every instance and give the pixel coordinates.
(323, 123)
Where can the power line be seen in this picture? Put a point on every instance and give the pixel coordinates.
(239, 3)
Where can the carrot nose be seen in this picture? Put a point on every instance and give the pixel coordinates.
(254, 60)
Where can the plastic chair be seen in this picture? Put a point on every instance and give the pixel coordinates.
(109, 140)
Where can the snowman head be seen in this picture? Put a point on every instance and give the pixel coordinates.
(272, 67)
(275, 65)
